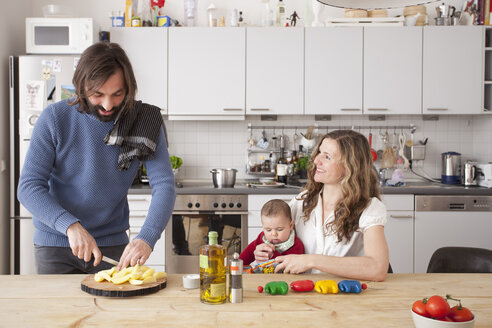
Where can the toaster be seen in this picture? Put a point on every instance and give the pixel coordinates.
(484, 174)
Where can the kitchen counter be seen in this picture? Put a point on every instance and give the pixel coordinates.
(58, 301)
(201, 187)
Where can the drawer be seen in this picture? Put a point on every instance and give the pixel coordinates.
(256, 202)
(137, 218)
(398, 202)
(158, 255)
(253, 234)
(254, 219)
(139, 202)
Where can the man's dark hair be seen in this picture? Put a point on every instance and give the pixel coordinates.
(96, 65)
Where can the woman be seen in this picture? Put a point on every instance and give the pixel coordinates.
(339, 215)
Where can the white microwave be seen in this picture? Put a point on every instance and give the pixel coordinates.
(58, 35)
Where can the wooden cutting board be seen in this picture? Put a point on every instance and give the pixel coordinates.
(109, 289)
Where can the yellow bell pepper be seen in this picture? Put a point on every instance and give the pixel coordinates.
(326, 287)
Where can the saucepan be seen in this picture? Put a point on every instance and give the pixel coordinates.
(224, 178)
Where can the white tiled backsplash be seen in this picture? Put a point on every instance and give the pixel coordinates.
(204, 145)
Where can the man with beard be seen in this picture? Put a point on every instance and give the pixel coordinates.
(83, 156)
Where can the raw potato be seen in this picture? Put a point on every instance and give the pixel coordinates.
(137, 275)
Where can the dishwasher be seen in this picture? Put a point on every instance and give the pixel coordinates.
(440, 221)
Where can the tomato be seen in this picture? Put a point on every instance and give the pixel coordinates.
(437, 307)
(460, 313)
(260, 289)
(364, 286)
(419, 308)
(445, 319)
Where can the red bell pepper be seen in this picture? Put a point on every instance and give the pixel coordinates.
(302, 285)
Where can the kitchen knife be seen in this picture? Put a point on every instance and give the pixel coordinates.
(109, 260)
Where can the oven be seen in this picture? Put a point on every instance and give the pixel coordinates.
(193, 217)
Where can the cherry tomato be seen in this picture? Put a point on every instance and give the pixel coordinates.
(419, 308)
(364, 286)
(260, 289)
(445, 319)
(460, 313)
(437, 307)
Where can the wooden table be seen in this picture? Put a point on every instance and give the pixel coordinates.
(57, 301)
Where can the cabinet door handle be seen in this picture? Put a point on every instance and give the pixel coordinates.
(232, 109)
(437, 109)
(259, 109)
(138, 200)
(350, 109)
(378, 109)
(137, 216)
(401, 216)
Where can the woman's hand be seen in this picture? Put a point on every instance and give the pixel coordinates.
(264, 252)
(292, 263)
(83, 245)
(136, 251)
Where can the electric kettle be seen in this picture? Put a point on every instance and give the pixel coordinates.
(451, 168)
(470, 174)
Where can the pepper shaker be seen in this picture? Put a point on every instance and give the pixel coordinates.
(236, 279)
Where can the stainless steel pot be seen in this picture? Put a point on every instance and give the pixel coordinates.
(224, 178)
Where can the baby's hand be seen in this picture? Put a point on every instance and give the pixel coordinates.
(264, 252)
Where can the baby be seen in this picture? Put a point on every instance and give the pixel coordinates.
(278, 233)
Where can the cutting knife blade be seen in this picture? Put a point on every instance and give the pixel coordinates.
(109, 260)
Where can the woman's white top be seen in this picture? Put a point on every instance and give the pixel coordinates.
(318, 240)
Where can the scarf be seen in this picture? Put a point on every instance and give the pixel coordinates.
(282, 247)
(136, 134)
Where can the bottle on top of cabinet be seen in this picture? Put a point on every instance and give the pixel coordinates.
(280, 13)
(281, 171)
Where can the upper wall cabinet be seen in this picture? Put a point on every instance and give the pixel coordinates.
(275, 71)
(392, 70)
(333, 64)
(452, 80)
(147, 50)
(207, 73)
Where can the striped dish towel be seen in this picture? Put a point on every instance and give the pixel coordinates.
(136, 134)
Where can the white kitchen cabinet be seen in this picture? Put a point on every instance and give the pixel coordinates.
(399, 231)
(275, 71)
(392, 70)
(333, 70)
(147, 50)
(207, 73)
(452, 70)
(255, 203)
(139, 205)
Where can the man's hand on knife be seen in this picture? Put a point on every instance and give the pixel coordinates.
(83, 245)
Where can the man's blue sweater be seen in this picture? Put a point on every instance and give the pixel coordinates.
(70, 175)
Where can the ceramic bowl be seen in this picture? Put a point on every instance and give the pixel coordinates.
(423, 322)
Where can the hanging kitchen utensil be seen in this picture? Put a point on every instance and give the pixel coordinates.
(251, 141)
(402, 140)
(263, 142)
(389, 155)
(309, 133)
(294, 140)
(373, 152)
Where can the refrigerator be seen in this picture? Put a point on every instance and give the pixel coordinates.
(35, 82)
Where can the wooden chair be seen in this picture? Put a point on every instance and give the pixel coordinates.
(461, 260)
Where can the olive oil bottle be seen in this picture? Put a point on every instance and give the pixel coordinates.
(213, 267)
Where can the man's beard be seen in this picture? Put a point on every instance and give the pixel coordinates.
(94, 110)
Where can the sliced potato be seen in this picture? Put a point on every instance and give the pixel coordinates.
(136, 282)
(121, 280)
(149, 279)
(160, 275)
(148, 273)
